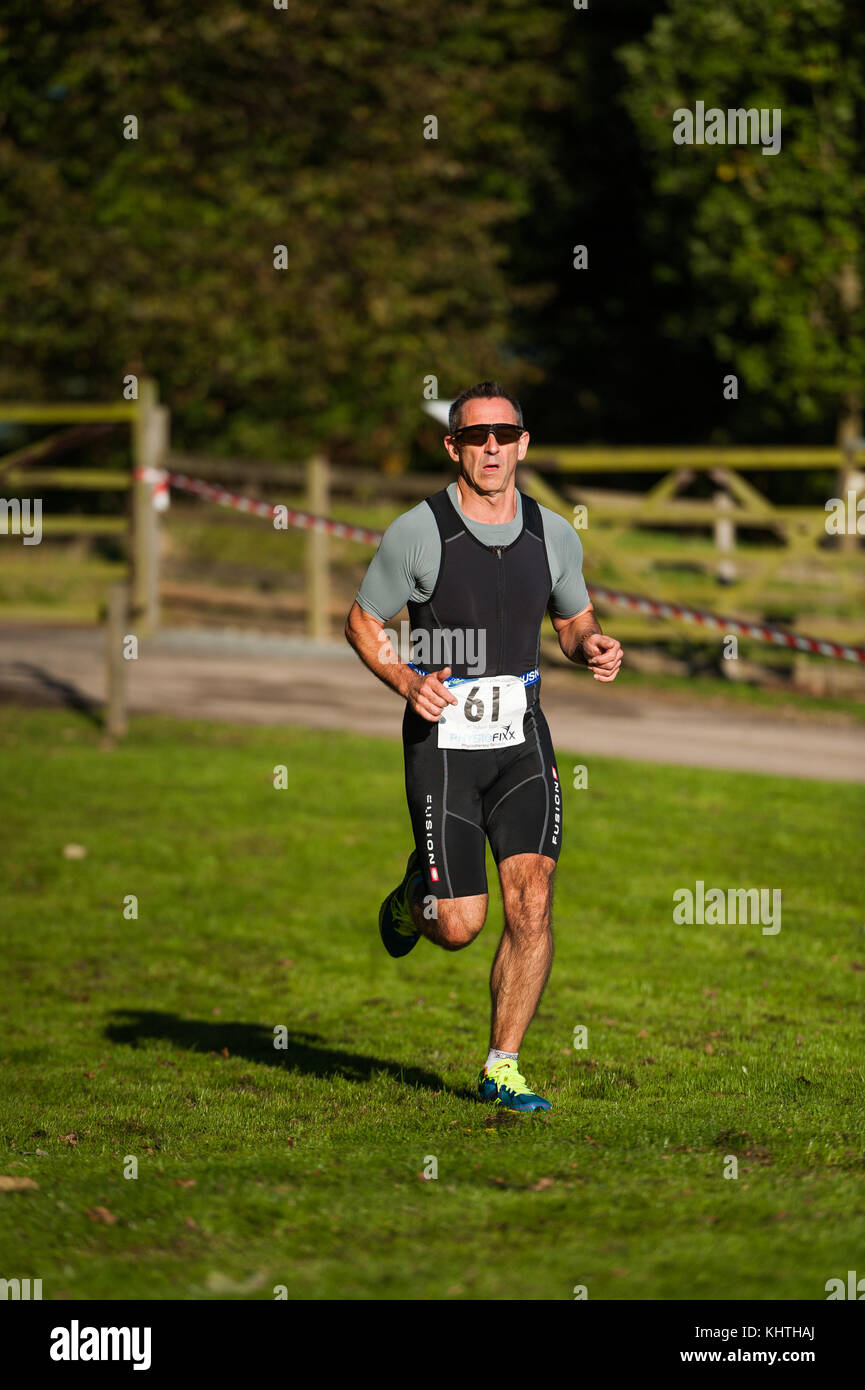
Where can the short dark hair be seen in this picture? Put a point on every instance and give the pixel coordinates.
(483, 391)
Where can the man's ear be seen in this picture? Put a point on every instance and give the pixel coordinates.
(523, 446)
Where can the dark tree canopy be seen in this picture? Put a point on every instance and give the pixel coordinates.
(259, 127)
(408, 257)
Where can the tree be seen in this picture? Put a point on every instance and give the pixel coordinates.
(774, 242)
(257, 127)
(599, 338)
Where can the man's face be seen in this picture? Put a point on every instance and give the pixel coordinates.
(489, 467)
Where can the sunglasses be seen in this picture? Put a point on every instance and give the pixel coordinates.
(479, 434)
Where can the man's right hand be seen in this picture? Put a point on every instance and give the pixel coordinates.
(428, 696)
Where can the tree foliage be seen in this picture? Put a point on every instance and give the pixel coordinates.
(301, 126)
(774, 244)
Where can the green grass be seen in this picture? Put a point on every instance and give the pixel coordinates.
(257, 1167)
(56, 582)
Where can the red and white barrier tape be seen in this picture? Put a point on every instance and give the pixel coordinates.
(304, 520)
(760, 632)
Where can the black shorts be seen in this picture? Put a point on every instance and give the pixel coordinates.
(459, 798)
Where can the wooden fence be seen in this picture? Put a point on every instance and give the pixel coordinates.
(136, 524)
(800, 531)
(777, 536)
(796, 535)
(133, 602)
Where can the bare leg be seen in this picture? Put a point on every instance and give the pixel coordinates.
(449, 922)
(525, 953)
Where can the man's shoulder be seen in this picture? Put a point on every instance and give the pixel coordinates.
(556, 526)
(411, 526)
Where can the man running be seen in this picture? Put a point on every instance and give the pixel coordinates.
(479, 564)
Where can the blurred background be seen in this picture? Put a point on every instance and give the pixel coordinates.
(299, 226)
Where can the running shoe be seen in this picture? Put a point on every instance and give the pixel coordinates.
(395, 922)
(503, 1083)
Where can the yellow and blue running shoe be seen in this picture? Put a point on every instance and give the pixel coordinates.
(502, 1082)
(395, 922)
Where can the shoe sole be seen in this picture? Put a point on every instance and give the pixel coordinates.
(394, 955)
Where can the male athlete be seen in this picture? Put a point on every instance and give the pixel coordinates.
(479, 564)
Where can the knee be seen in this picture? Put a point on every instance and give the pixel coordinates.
(528, 901)
(459, 923)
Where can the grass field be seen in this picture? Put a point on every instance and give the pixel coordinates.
(301, 1166)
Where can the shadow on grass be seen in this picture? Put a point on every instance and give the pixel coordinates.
(59, 692)
(303, 1051)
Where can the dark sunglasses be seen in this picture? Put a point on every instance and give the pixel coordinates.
(479, 434)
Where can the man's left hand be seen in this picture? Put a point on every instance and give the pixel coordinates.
(602, 655)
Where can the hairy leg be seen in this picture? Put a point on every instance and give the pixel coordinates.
(449, 922)
(525, 953)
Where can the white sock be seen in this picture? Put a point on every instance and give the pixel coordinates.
(496, 1056)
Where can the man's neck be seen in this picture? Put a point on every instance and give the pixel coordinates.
(493, 509)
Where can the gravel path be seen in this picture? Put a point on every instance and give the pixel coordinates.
(272, 681)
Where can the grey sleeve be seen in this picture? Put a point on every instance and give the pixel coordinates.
(404, 567)
(565, 555)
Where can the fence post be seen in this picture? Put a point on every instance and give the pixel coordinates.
(725, 537)
(116, 619)
(317, 571)
(849, 440)
(149, 449)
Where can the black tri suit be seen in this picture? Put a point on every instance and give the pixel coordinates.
(487, 770)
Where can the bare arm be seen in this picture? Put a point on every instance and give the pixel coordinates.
(426, 695)
(582, 641)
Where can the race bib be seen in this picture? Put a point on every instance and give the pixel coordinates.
(489, 713)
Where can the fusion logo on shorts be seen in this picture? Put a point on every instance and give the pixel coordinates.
(430, 847)
(557, 806)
